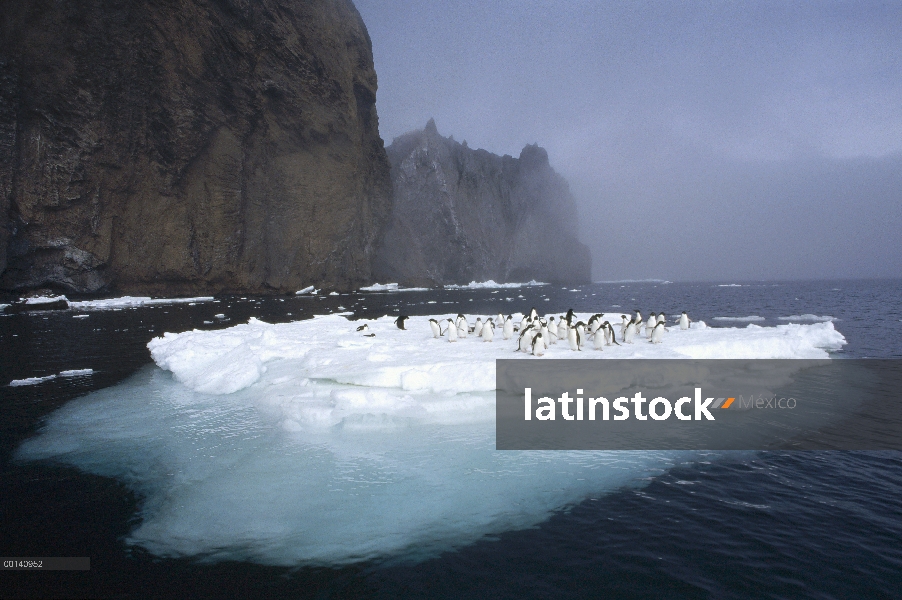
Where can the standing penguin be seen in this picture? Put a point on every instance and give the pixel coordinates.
(452, 331)
(623, 325)
(463, 328)
(436, 328)
(400, 322)
(650, 325)
(552, 331)
(630, 333)
(662, 318)
(543, 329)
(538, 345)
(657, 334)
(524, 343)
(477, 329)
(562, 329)
(599, 339)
(507, 331)
(488, 331)
(533, 314)
(609, 337)
(573, 338)
(684, 321)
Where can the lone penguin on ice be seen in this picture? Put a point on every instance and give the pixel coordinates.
(685, 321)
(400, 322)
(363, 327)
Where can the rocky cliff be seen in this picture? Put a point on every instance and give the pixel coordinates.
(180, 146)
(461, 215)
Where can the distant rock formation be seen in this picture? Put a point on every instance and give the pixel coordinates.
(185, 146)
(461, 215)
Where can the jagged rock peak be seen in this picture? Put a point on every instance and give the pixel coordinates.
(461, 215)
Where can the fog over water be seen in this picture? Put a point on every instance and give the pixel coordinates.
(703, 141)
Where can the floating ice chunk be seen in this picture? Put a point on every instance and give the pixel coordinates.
(730, 285)
(307, 290)
(30, 380)
(490, 284)
(76, 372)
(333, 293)
(748, 319)
(133, 301)
(813, 318)
(46, 300)
(80, 316)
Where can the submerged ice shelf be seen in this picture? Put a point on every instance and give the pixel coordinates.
(308, 443)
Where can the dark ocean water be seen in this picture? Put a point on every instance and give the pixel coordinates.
(774, 525)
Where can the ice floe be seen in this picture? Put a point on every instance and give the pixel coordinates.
(490, 284)
(749, 319)
(308, 443)
(133, 302)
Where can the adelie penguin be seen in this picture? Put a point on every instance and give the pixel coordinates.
(630, 333)
(452, 330)
(436, 328)
(538, 345)
(488, 331)
(650, 325)
(657, 334)
(526, 336)
(574, 339)
(400, 322)
(507, 331)
(477, 329)
(363, 327)
(685, 321)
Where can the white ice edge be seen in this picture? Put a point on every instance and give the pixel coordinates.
(132, 302)
(45, 299)
(490, 284)
(391, 287)
(37, 380)
(808, 317)
(749, 319)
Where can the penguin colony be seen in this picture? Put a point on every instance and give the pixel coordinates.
(534, 333)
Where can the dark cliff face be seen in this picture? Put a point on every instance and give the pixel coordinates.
(461, 215)
(180, 146)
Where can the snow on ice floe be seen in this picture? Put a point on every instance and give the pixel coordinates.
(749, 319)
(807, 317)
(391, 287)
(37, 380)
(490, 284)
(328, 347)
(308, 443)
(133, 302)
(46, 299)
(307, 290)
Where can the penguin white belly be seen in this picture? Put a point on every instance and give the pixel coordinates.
(508, 330)
(488, 333)
(657, 334)
(684, 321)
(571, 337)
(436, 329)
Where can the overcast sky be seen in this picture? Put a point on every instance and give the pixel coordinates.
(702, 140)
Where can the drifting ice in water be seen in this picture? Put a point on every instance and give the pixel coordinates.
(308, 443)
